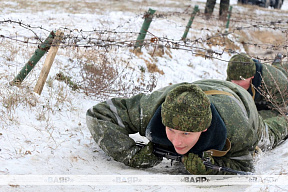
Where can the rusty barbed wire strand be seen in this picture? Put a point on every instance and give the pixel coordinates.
(84, 38)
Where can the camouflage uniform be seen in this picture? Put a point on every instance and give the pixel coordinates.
(224, 6)
(274, 82)
(271, 81)
(111, 122)
(280, 65)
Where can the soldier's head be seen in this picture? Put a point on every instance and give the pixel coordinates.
(241, 70)
(186, 113)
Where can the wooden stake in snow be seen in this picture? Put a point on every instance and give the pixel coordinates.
(48, 62)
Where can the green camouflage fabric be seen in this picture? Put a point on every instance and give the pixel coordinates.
(111, 122)
(274, 86)
(283, 67)
(240, 66)
(186, 108)
(224, 6)
(194, 165)
(145, 158)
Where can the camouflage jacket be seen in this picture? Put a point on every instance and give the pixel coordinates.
(282, 67)
(111, 122)
(270, 85)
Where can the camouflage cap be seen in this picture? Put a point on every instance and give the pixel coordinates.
(240, 65)
(186, 108)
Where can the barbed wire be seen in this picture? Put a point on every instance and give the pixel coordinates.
(111, 38)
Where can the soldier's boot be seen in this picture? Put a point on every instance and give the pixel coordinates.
(208, 16)
(224, 9)
(209, 7)
(223, 17)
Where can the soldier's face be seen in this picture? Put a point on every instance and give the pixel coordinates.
(245, 83)
(181, 140)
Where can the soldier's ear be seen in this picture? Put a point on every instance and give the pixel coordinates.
(204, 130)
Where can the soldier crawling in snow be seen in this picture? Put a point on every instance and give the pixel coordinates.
(211, 119)
(267, 84)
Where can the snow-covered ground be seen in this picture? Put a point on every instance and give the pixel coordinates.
(45, 136)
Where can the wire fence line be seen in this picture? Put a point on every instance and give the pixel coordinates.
(107, 39)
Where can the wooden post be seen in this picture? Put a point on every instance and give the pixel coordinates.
(48, 62)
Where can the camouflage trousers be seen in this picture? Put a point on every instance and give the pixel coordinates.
(276, 129)
(224, 6)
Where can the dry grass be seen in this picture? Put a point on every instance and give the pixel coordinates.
(270, 38)
(222, 41)
(12, 98)
(104, 73)
(98, 74)
(152, 67)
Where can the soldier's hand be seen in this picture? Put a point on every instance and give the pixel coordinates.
(145, 158)
(194, 164)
